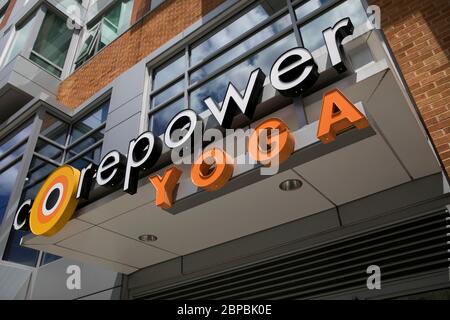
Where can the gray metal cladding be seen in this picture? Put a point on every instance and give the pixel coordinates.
(407, 249)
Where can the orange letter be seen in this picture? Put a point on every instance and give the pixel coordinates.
(338, 114)
(212, 170)
(279, 146)
(165, 187)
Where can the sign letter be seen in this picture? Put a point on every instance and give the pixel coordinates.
(165, 186)
(338, 114)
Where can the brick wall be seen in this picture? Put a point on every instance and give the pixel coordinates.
(418, 32)
(150, 33)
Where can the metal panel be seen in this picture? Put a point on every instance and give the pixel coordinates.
(403, 250)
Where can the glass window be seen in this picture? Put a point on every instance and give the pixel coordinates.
(79, 147)
(39, 170)
(16, 152)
(49, 151)
(54, 129)
(11, 149)
(241, 48)
(49, 258)
(90, 122)
(160, 119)
(115, 21)
(239, 74)
(236, 28)
(87, 136)
(169, 93)
(8, 180)
(350, 8)
(14, 252)
(20, 39)
(52, 44)
(308, 7)
(31, 191)
(15, 137)
(80, 163)
(168, 72)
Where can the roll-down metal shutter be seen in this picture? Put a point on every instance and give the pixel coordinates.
(405, 249)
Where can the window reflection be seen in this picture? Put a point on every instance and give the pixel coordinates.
(15, 137)
(308, 7)
(170, 92)
(160, 119)
(88, 142)
(238, 75)
(52, 44)
(241, 48)
(49, 151)
(8, 180)
(350, 8)
(49, 258)
(90, 122)
(14, 252)
(14, 154)
(115, 21)
(80, 163)
(20, 39)
(54, 129)
(40, 170)
(93, 156)
(168, 72)
(235, 29)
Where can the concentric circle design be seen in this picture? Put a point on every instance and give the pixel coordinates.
(56, 202)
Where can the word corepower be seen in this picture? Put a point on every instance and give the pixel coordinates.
(293, 73)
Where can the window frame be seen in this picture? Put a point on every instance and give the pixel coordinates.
(20, 187)
(294, 27)
(95, 23)
(38, 15)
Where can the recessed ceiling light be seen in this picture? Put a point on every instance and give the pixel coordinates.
(148, 238)
(291, 185)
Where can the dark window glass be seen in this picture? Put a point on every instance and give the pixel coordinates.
(238, 75)
(15, 137)
(93, 156)
(81, 146)
(7, 182)
(49, 151)
(17, 152)
(39, 170)
(52, 44)
(32, 191)
(90, 122)
(49, 258)
(14, 252)
(54, 129)
(160, 119)
(80, 163)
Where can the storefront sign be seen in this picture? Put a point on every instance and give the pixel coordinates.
(271, 142)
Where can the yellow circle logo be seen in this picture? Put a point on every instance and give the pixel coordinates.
(56, 202)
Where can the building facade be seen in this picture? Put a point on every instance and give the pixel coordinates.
(81, 80)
